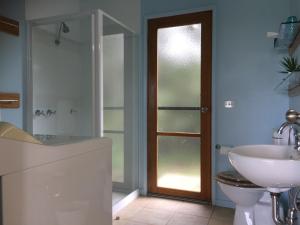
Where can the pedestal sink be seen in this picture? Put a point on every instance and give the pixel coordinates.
(275, 167)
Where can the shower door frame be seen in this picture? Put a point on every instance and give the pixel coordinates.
(96, 17)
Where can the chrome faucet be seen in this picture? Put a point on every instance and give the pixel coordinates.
(297, 142)
(282, 127)
(292, 118)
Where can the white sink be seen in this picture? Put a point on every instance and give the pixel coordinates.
(275, 167)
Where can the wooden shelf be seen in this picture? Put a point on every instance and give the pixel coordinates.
(293, 47)
(9, 26)
(9, 100)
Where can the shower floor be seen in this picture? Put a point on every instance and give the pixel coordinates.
(117, 196)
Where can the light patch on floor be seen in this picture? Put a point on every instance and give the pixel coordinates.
(180, 182)
(157, 211)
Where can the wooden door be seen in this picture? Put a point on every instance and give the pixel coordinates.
(179, 105)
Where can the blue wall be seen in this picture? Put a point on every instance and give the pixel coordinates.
(295, 101)
(11, 59)
(245, 70)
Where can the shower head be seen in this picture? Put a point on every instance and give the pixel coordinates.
(63, 27)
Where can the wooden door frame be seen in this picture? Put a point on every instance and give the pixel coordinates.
(205, 18)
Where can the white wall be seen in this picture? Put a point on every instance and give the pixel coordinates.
(295, 8)
(128, 12)
(295, 100)
(46, 8)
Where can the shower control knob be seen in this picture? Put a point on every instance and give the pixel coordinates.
(204, 109)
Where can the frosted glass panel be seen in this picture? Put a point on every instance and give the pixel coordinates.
(179, 78)
(118, 72)
(179, 163)
(113, 97)
(117, 156)
(179, 56)
(113, 70)
(179, 121)
(114, 119)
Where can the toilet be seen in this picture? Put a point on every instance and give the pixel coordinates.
(253, 203)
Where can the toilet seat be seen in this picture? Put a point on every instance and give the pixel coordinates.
(233, 178)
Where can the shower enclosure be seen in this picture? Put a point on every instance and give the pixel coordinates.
(82, 83)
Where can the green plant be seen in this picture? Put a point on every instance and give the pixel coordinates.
(289, 64)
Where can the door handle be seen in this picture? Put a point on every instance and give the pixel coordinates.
(204, 109)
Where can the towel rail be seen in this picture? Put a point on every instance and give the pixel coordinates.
(9, 100)
(9, 26)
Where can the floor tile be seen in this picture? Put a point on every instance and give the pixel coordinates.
(184, 219)
(163, 204)
(153, 216)
(141, 202)
(223, 213)
(134, 207)
(128, 212)
(195, 209)
(158, 211)
(127, 222)
(220, 222)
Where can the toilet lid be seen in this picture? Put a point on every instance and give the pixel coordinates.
(235, 179)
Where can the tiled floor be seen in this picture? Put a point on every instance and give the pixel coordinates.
(157, 211)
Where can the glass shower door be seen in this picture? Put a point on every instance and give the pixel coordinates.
(113, 80)
(84, 85)
(62, 78)
(118, 102)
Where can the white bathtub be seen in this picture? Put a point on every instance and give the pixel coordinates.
(61, 184)
(59, 139)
